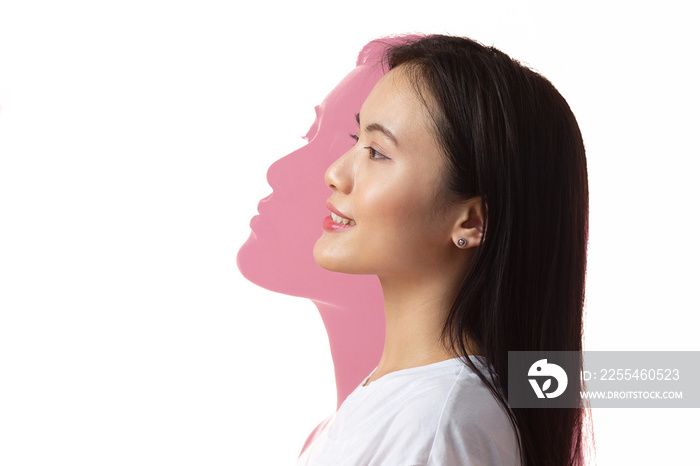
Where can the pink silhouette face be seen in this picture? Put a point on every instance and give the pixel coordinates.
(278, 255)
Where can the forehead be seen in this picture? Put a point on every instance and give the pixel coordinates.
(395, 104)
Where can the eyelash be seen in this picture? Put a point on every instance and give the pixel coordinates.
(372, 150)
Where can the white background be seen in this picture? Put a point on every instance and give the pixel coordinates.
(134, 141)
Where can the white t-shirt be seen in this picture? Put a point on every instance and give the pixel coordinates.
(439, 414)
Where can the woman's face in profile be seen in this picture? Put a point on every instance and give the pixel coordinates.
(386, 185)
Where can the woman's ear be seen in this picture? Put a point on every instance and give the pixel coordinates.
(469, 227)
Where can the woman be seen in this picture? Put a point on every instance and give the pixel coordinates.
(466, 194)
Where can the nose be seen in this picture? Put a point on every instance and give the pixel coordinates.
(291, 170)
(339, 174)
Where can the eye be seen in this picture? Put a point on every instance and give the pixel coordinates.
(355, 137)
(374, 155)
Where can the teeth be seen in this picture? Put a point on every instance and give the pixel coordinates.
(338, 219)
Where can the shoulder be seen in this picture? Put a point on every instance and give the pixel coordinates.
(441, 414)
(474, 428)
(450, 417)
(412, 408)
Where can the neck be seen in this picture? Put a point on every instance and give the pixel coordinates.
(416, 311)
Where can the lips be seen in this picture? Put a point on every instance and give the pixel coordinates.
(330, 225)
(332, 208)
(337, 221)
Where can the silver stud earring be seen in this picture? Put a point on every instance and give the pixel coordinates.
(461, 242)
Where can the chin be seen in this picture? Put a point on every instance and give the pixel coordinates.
(322, 259)
(260, 265)
(326, 260)
(337, 262)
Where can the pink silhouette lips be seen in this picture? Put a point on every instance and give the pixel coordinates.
(258, 218)
(335, 224)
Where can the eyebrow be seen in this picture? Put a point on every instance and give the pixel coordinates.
(380, 128)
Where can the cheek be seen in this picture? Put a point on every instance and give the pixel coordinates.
(400, 205)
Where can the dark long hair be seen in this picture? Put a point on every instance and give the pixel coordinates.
(511, 139)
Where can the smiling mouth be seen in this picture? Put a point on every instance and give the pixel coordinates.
(342, 220)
